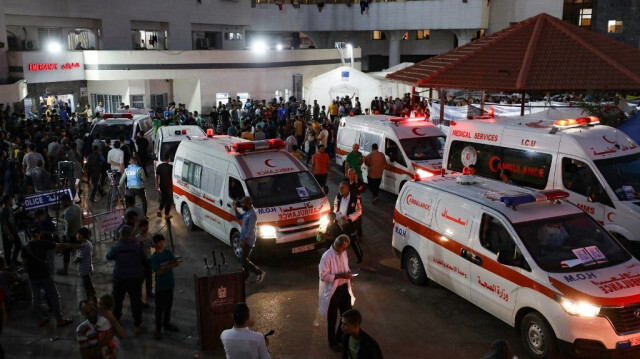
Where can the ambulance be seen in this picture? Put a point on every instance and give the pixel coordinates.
(210, 173)
(413, 146)
(167, 139)
(599, 166)
(534, 261)
(114, 125)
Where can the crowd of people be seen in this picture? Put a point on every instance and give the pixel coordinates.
(54, 149)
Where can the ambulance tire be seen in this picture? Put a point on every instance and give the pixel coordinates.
(235, 244)
(187, 218)
(537, 336)
(414, 267)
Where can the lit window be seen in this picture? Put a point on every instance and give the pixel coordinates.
(614, 26)
(585, 18)
(423, 34)
(377, 35)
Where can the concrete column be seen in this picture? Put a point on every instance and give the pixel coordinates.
(464, 35)
(4, 62)
(395, 37)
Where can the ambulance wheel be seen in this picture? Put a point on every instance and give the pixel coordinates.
(186, 217)
(414, 267)
(235, 243)
(537, 336)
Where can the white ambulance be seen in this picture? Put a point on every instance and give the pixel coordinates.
(413, 146)
(212, 172)
(539, 264)
(167, 139)
(599, 166)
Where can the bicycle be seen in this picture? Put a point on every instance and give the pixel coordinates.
(113, 197)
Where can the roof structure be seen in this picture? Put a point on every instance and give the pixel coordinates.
(542, 53)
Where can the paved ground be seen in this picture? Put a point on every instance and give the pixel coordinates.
(407, 321)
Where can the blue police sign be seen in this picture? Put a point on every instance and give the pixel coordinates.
(45, 199)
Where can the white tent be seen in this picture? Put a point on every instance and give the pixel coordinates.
(348, 81)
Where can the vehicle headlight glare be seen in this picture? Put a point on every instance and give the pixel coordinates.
(324, 222)
(267, 231)
(424, 174)
(578, 308)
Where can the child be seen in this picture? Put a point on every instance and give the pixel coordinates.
(85, 262)
(144, 240)
(162, 263)
(105, 311)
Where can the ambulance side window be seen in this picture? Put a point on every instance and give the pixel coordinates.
(578, 177)
(212, 182)
(494, 236)
(392, 150)
(191, 173)
(236, 192)
(347, 137)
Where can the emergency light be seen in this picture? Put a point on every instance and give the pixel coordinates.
(209, 132)
(254, 146)
(577, 122)
(180, 132)
(117, 115)
(541, 196)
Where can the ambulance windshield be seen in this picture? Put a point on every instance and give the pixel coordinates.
(113, 131)
(570, 243)
(286, 188)
(423, 148)
(623, 175)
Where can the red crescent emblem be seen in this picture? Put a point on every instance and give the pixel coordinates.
(266, 162)
(415, 131)
(611, 142)
(609, 216)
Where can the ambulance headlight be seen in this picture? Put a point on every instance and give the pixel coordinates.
(423, 174)
(266, 231)
(324, 222)
(578, 308)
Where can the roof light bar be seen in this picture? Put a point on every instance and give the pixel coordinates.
(541, 196)
(577, 122)
(117, 115)
(209, 132)
(251, 146)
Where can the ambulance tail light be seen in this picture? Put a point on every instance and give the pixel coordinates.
(209, 132)
(530, 198)
(422, 174)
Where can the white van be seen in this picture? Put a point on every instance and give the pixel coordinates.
(113, 125)
(166, 140)
(539, 264)
(599, 166)
(413, 146)
(210, 173)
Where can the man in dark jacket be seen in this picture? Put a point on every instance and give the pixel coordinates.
(94, 166)
(357, 344)
(128, 273)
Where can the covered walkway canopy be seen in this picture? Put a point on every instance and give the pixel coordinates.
(539, 54)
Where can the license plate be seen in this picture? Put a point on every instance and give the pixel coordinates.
(635, 341)
(308, 247)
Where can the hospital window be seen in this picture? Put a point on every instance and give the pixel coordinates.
(584, 18)
(137, 101)
(423, 34)
(378, 35)
(614, 27)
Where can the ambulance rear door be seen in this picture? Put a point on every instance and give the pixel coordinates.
(453, 219)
